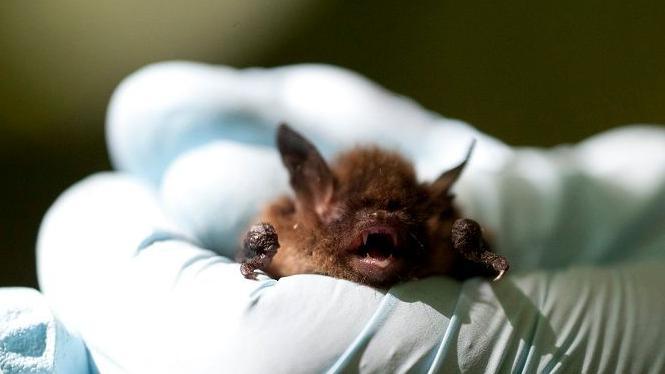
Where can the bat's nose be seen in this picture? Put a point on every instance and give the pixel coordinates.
(380, 215)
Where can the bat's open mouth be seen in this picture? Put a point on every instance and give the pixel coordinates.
(377, 250)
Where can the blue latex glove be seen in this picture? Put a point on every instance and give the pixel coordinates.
(131, 259)
(32, 340)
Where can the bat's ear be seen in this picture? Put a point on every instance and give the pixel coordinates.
(309, 174)
(440, 188)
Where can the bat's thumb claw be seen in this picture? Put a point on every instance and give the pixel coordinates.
(499, 276)
(247, 271)
(501, 266)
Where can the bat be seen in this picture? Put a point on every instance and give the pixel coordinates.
(365, 218)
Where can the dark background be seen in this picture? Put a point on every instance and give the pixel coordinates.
(527, 72)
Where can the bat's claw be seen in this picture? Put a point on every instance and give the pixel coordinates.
(500, 265)
(247, 271)
(499, 276)
(259, 247)
(468, 241)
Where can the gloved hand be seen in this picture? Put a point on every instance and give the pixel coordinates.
(137, 260)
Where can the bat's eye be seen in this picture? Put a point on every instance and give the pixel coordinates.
(392, 205)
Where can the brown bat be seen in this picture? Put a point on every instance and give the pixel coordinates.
(366, 219)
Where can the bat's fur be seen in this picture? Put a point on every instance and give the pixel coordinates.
(412, 229)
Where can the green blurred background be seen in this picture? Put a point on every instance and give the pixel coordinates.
(527, 72)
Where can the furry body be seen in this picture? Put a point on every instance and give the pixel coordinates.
(366, 218)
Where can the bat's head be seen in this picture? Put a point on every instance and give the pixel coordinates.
(374, 222)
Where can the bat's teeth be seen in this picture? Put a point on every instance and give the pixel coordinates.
(365, 235)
